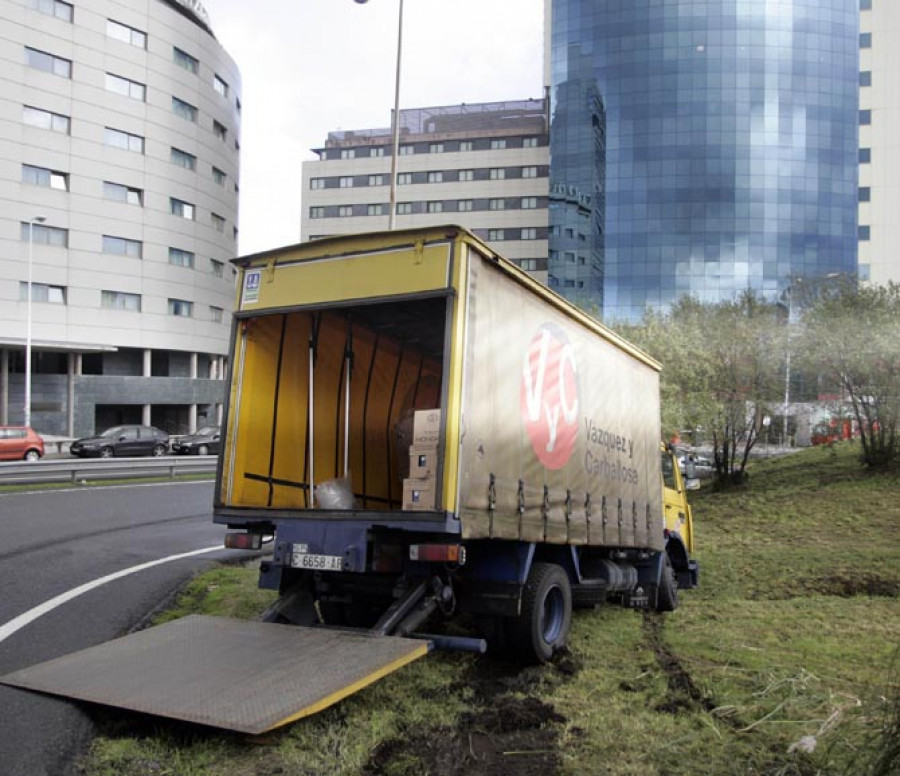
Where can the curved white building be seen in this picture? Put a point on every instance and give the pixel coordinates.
(119, 163)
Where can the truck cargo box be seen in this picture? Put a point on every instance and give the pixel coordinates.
(545, 424)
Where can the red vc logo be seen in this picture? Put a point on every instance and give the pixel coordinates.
(549, 400)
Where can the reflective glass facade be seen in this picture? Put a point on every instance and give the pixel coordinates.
(728, 146)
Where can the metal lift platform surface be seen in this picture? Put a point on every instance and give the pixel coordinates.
(241, 675)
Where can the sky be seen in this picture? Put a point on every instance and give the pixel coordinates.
(313, 66)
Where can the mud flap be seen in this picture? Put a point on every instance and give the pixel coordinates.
(239, 675)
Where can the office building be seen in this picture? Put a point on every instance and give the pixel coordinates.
(119, 149)
(711, 146)
(483, 166)
(879, 141)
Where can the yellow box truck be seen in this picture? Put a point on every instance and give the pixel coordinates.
(424, 429)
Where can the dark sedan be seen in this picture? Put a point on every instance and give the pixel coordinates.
(205, 441)
(123, 441)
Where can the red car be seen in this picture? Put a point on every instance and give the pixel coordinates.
(20, 443)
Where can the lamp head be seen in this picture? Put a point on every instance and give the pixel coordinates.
(39, 219)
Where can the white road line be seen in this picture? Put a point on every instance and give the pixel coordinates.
(39, 611)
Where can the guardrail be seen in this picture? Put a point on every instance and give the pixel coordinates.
(76, 470)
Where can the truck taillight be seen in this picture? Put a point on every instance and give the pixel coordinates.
(446, 553)
(243, 541)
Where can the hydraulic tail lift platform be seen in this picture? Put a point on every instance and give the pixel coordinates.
(247, 676)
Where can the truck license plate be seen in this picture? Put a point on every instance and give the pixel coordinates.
(306, 560)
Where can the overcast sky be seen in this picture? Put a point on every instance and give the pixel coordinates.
(312, 66)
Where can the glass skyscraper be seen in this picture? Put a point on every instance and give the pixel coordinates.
(710, 145)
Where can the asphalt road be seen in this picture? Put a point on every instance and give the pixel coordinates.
(54, 541)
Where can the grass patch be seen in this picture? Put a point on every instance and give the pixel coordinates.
(784, 663)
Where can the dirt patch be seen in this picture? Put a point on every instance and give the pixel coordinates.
(683, 694)
(838, 584)
(509, 732)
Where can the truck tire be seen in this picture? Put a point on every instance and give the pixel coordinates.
(667, 594)
(543, 625)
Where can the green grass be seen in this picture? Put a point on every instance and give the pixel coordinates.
(790, 642)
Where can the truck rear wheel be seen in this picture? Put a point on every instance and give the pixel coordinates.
(543, 625)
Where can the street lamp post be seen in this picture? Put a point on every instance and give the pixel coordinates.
(395, 123)
(31, 223)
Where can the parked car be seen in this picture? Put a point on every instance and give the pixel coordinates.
(20, 443)
(124, 441)
(205, 441)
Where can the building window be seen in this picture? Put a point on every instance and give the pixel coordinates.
(865, 40)
(181, 258)
(865, 5)
(55, 8)
(44, 235)
(120, 193)
(496, 204)
(465, 205)
(529, 265)
(317, 212)
(436, 177)
(529, 172)
(41, 176)
(219, 130)
(496, 234)
(126, 87)
(181, 308)
(348, 153)
(126, 34)
(44, 119)
(215, 314)
(182, 209)
(317, 183)
(864, 272)
(865, 155)
(124, 140)
(864, 233)
(466, 145)
(376, 151)
(375, 210)
(41, 292)
(184, 109)
(218, 222)
(497, 173)
(529, 142)
(865, 194)
(218, 176)
(529, 203)
(185, 60)
(407, 150)
(498, 144)
(529, 233)
(118, 300)
(404, 208)
(346, 182)
(435, 207)
(467, 175)
(436, 148)
(41, 60)
(865, 78)
(865, 117)
(345, 211)
(404, 178)
(376, 180)
(183, 159)
(121, 246)
(220, 86)
(217, 268)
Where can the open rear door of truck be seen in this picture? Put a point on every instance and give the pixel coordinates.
(240, 675)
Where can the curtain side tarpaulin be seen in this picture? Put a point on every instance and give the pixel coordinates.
(562, 427)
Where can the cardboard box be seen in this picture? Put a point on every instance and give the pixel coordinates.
(422, 461)
(418, 494)
(426, 427)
